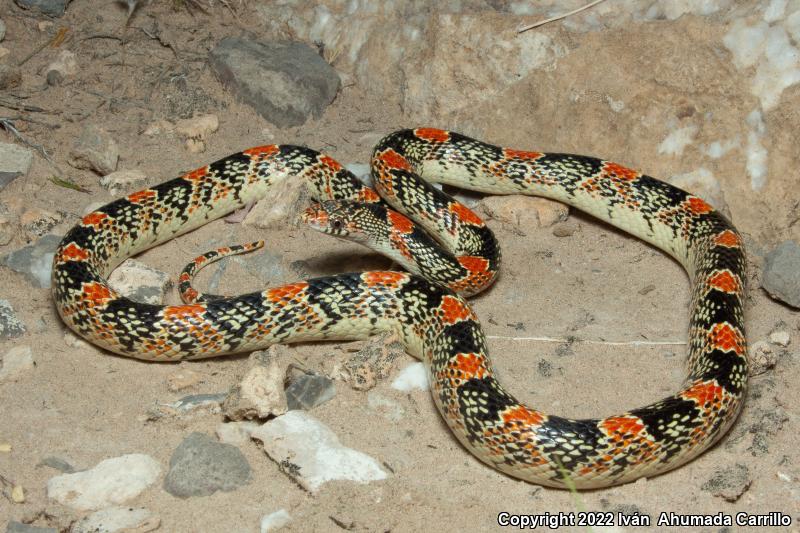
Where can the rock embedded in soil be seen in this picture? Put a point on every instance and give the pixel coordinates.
(94, 150)
(781, 338)
(15, 161)
(16, 362)
(781, 277)
(123, 181)
(311, 454)
(110, 482)
(10, 325)
(140, 282)
(729, 483)
(285, 82)
(19, 527)
(53, 8)
(201, 466)
(307, 391)
(114, 519)
(35, 261)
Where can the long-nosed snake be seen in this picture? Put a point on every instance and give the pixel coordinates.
(436, 325)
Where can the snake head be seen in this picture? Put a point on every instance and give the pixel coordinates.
(337, 218)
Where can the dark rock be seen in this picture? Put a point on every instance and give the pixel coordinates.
(200, 466)
(285, 82)
(54, 8)
(781, 277)
(729, 483)
(308, 391)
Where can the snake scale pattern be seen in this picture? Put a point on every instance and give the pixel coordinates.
(435, 323)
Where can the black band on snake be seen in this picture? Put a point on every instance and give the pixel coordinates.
(434, 322)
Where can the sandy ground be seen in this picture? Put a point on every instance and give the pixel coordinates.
(84, 405)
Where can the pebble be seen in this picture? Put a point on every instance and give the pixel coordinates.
(781, 277)
(117, 519)
(112, 481)
(19, 527)
(762, 358)
(35, 261)
(411, 378)
(123, 181)
(140, 282)
(524, 211)
(281, 207)
(94, 150)
(57, 463)
(201, 466)
(197, 130)
(260, 393)
(311, 454)
(16, 362)
(54, 8)
(183, 379)
(275, 521)
(15, 161)
(10, 326)
(285, 82)
(307, 391)
(729, 483)
(781, 338)
(2, 30)
(235, 433)
(565, 229)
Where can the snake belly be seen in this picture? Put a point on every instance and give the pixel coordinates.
(435, 324)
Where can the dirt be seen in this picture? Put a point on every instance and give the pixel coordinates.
(596, 284)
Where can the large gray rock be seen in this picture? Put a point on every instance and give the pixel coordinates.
(14, 161)
(54, 8)
(35, 261)
(200, 466)
(782, 273)
(285, 82)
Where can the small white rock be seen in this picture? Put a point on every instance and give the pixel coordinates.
(112, 481)
(123, 181)
(66, 64)
(412, 377)
(275, 521)
(781, 338)
(114, 519)
(15, 362)
(299, 439)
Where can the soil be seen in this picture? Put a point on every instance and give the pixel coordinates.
(597, 284)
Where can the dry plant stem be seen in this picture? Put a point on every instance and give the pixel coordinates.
(581, 341)
(558, 17)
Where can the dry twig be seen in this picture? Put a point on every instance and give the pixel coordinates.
(557, 17)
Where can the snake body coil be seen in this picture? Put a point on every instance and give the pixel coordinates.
(436, 325)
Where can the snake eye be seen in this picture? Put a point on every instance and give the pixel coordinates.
(337, 224)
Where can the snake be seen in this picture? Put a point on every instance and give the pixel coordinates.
(431, 317)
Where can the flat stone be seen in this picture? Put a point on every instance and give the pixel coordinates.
(201, 466)
(123, 181)
(94, 150)
(307, 391)
(114, 519)
(110, 482)
(10, 325)
(781, 338)
(15, 161)
(311, 454)
(140, 282)
(285, 82)
(16, 362)
(729, 483)
(19, 527)
(34, 261)
(781, 277)
(54, 8)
